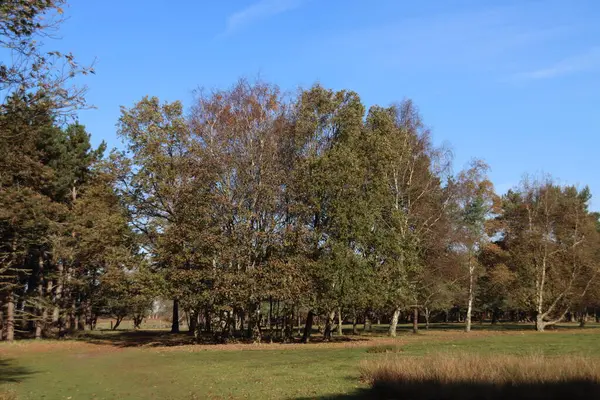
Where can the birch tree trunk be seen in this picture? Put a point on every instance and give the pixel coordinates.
(340, 331)
(368, 325)
(394, 322)
(328, 325)
(470, 297)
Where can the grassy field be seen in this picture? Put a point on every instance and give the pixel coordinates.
(152, 364)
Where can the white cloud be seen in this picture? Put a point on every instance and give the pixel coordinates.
(257, 11)
(587, 61)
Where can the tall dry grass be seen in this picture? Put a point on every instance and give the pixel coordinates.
(8, 395)
(444, 376)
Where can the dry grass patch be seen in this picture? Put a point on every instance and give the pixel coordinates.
(465, 377)
(10, 395)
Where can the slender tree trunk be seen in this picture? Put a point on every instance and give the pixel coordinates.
(231, 322)
(308, 326)
(289, 333)
(89, 318)
(58, 295)
(394, 322)
(470, 298)
(40, 298)
(340, 330)
(328, 325)
(416, 320)
(46, 318)
(72, 316)
(289, 325)
(427, 313)
(494, 315)
(299, 321)
(81, 318)
(354, 324)
(10, 316)
(255, 323)
(597, 314)
(368, 326)
(239, 321)
(193, 325)
(280, 320)
(207, 321)
(583, 318)
(269, 318)
(175, 323)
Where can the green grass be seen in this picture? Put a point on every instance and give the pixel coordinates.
(63, 371)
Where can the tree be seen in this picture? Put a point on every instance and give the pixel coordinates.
(35, 91)
(127, 291)
(28, 215)
(474, 203)
(35, 75)
(102, 243)
(153, 174)
(245, 135)
(334, 199)
(410, 203)
(551, 237)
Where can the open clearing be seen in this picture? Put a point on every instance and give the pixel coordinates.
(115, 366)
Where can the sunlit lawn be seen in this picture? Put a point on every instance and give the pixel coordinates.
(79, 370)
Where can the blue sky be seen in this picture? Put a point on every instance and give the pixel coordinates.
(516, 83)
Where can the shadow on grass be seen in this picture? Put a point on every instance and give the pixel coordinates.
(135, 338)
(12, 373)
(166, 339)
(163, 338)
(433, 390)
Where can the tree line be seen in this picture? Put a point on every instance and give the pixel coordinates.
(257, 212)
